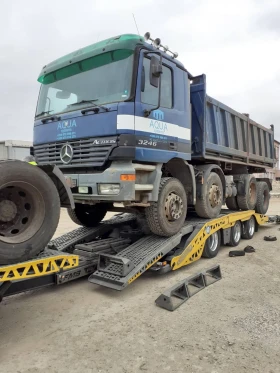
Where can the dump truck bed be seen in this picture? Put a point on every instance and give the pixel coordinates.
(221, 133)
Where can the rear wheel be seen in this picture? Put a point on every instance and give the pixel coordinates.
(212, 245)
(248, 201)
(235, 234)
(87, 215)
(29, 211)
(248, 228)
(209, 203)
(263, 197)
(167, 216)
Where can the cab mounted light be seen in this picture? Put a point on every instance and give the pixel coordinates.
(157, 44)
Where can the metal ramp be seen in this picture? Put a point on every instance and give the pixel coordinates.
(68, 241)
(120, 270)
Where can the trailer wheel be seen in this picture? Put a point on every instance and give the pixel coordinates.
(87, 215)
(263, 197)
(167, 216)
(209, 203)
(212, 245)
(235, 234)
(248, 228)
(248, 202)
(231, 203)
(29, 211)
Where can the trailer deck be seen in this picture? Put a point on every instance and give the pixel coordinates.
(117, 252)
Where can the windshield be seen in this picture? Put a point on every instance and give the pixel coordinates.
(101, 79)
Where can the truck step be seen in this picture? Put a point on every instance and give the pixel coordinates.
(120, 270)
(67, 242)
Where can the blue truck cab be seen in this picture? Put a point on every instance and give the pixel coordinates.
(117, 118)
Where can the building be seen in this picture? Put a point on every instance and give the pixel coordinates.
(273, 173)
(14, 149)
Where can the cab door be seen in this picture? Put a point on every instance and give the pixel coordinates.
(157, 129)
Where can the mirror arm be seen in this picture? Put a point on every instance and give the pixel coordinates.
(147, 112)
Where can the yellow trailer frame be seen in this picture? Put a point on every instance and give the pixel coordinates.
(194, 249)
(57, 264)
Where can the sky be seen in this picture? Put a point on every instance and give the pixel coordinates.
(235, 43)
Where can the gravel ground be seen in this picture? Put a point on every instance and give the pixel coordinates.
(231, 326)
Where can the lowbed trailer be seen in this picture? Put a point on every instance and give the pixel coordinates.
(117, 251)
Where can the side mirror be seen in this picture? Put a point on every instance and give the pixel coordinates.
(155, 71)
(63, 95)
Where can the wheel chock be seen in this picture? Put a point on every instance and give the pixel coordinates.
(249, 249)
(173, 297)
(233, 253)
(270, 238)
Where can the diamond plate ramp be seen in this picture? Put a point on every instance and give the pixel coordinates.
(120, 270)
(67, 241)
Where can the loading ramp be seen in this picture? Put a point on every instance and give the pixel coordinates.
(117, 252)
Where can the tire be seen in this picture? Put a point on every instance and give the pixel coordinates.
(29, 211)
(162, 217)
(263, 197)
(248, 228)
(248, 202)
(212, 245)
(235, 234)
(205, 207)
(231, 203)
(87, 215)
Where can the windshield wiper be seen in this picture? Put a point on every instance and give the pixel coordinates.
(90, 101)
(43, 112)
(52, 118)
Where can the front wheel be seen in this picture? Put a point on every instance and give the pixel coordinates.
(209, 202)
(167, 216)
(248, 228)
(87, 215)
(235, 234)
(212, 245)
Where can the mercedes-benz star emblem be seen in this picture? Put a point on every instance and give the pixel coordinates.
(66, 153)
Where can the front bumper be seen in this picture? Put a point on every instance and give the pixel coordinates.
(112, 175)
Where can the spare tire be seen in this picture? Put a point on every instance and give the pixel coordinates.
(29, 211)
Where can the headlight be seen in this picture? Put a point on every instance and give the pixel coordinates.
(112, 189)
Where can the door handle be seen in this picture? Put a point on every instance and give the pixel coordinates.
(173, 146)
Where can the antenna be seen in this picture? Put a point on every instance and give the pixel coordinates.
(135, 24)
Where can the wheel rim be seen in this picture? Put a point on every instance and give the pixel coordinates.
(22, 212)
(251, 226)
(213, 242)
(215, 195)
(173, 207)
(237, 232)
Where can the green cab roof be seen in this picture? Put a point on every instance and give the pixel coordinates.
(127, 41)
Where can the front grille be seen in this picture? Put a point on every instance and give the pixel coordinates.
(92, 152)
